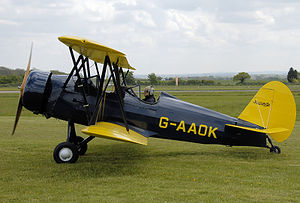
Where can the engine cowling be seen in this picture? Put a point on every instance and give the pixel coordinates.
(37, 91)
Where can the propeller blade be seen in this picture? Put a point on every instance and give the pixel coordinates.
(20, 105)
(26, 73)
(18, 114)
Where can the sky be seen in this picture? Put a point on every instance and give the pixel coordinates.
(158, 36)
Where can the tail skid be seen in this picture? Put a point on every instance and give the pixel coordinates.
(274, 109)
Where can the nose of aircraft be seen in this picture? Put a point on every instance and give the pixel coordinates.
(36, 92)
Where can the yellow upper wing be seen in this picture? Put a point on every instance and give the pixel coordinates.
(95, 51)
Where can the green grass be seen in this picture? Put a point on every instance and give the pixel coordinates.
(163, 171)
(9, 88)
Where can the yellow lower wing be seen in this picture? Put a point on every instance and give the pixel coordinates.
(115, 132)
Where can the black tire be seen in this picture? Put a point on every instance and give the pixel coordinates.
(81, 150)
(66, 152)
(275, 150)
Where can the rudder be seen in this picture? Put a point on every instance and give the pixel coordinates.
(272, 107)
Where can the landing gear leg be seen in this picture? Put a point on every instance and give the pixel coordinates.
(69, 151)
(273, 149)
(71, 136)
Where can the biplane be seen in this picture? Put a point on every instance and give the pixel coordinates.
(99, 98)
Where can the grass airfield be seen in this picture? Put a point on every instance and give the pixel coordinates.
(163, 171)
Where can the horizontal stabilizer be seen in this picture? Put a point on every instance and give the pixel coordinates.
(266, 131)
(115, 132)
(273, 132)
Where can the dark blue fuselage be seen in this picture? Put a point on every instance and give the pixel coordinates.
(168, 118)
(172, 118)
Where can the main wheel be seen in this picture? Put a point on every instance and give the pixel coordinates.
(275, 150)
(83, 148)
(66, 152)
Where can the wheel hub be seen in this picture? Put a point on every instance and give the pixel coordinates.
(65, 154)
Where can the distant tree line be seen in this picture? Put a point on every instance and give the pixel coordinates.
(10, 76)
(7, 71)
(15, 77)
(242, 78)
(11, 79)
(152, 79)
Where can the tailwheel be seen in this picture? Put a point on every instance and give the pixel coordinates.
(66, 152)
(82, 147)
(275, 149)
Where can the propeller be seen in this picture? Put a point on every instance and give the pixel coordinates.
(20, 105)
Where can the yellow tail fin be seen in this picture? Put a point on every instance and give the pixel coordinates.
(272, 107)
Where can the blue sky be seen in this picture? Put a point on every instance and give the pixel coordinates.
(161, 36)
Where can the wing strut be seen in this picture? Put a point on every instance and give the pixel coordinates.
(116, 80)
(124, 76)
(82, 64)
(93, 119)
(80, 85)
(115, 75)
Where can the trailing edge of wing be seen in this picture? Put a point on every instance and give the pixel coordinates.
(273, 132)
(115, 132)
(95, 51)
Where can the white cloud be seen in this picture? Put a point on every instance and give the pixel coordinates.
(221, 34)
(144, 18)
(129, 2)
(264, 18)
(8, 22)
(195, 25)
(172, 25)
(92, 10)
